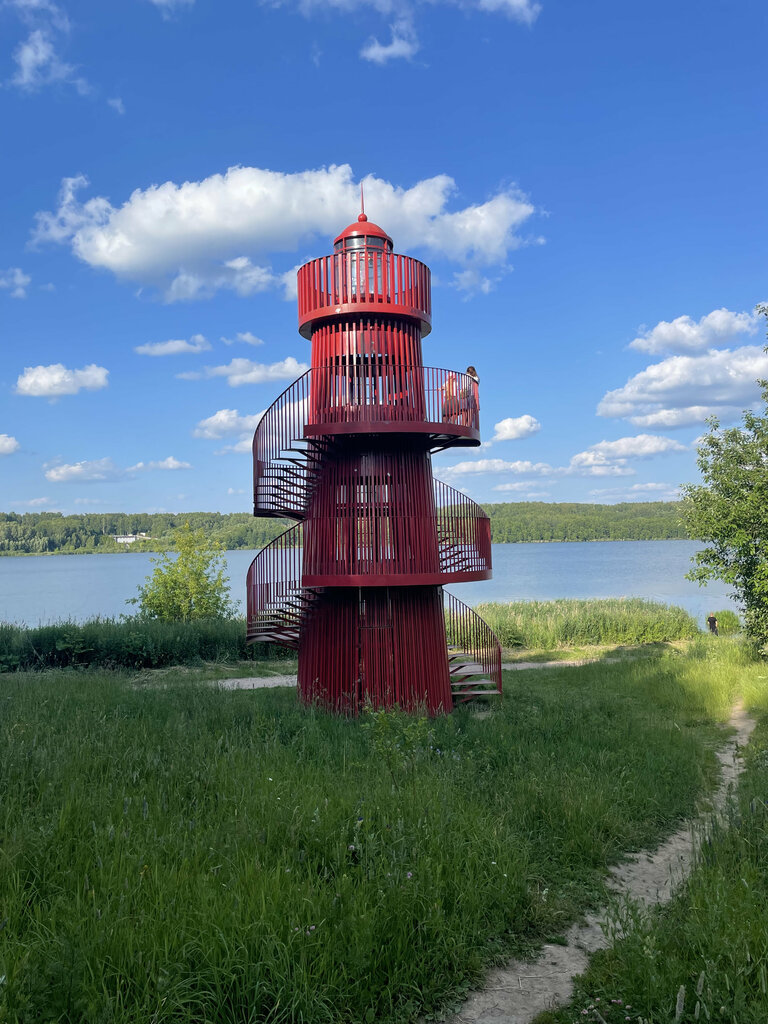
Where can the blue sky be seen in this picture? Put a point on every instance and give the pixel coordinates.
(587, 182)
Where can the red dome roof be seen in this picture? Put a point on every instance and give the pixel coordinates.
(362, 226)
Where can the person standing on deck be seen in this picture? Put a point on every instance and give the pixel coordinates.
(469, 398)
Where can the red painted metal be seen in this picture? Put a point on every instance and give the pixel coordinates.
(367, 280)
(356, 585)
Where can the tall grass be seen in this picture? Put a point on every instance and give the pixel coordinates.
(704, 956)
(550, 624)
(127, 643)
(145, 643)
(185, 854)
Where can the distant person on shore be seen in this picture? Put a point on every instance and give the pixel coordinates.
(712, 623)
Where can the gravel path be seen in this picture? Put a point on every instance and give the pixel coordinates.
(253, 683)
(262, 682)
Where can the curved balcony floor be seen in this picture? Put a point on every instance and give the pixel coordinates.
(442, 434)
(402, 579)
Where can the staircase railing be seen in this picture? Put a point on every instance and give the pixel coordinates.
(276, 601)
(463, 531)
(473, 647)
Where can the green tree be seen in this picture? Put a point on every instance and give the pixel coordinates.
(190, 586)
(729, 511)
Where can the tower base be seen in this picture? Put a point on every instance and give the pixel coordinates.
(378, 646)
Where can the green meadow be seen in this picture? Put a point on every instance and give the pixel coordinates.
(174, 852)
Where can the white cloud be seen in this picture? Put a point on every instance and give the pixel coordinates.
(497, 466)
(168, 6)
(403, 45)
(471, 281)
(169, 463)
(197, 343)
(242, 447)
(639, 492)
(520, 10)
(525, 11)
(199, 236)
(39, 65)
(522, 488)
(117, 104)
(81, 472)
(720, 327)
(238, 275)
(245, 371)
(104, 469)
(682, 390)
(35, 11)
(514, 428)
(609, 458)
(56, 379)
(227, 423)
(8, 444)
(235, 490)
(668, 419)
(31, 503)
(15, 281)
(642, 446)
(606, 458)
(246, 337)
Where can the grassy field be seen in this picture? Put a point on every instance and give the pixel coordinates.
(704, 956)
(547, 625)
(177, 853)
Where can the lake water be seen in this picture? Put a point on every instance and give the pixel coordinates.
(39, 589)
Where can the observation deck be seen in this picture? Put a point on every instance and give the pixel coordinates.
(366, 281)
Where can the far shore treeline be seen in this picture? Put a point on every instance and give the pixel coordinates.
(42, 533)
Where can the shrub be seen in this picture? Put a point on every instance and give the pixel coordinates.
(193, 585)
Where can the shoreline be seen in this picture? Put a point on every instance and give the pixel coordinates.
(511, 543)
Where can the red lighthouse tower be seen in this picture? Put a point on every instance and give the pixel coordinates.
(346, 450)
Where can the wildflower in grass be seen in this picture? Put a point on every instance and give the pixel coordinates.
(409, 874)
(351, 847)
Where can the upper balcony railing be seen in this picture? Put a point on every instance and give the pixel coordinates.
(360, 397)
(364, 281)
